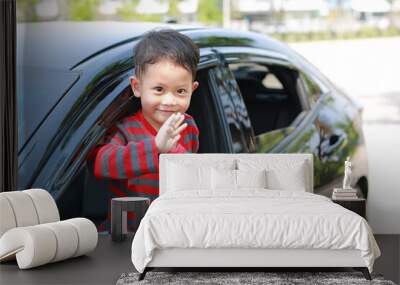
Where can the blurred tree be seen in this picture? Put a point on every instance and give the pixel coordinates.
(173, 9)
(128, 13)
(83, 10)
(25, 10)
(210, 11)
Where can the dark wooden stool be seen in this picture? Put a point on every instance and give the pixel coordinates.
(119, 208)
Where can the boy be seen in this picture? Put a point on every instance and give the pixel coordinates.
(165, 69)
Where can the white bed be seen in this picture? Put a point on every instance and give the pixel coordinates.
(201, 220)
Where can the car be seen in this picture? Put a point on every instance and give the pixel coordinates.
(256, 95)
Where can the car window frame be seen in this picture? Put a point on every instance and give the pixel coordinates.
(118, 106)
(262, 56)
(303, 76)
(209, 60)
(246, 132)
(233, 54)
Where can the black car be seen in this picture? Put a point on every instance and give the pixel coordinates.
(255, 95)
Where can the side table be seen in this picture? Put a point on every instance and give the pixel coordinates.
(119, 208)
(356, 205)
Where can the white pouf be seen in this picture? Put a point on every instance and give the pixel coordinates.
(31, 231)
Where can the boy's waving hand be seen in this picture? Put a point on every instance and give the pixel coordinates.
(169, 133)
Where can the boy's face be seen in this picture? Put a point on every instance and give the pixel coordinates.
(164, 88)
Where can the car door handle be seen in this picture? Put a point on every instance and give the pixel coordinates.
(332, 143)
(334, 139)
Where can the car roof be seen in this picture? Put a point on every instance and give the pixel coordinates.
(61, 45)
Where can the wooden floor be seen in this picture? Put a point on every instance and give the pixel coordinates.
(110, 259)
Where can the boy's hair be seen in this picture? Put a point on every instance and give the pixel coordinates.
(166, 44)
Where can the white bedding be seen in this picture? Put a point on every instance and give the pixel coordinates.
(250, 218)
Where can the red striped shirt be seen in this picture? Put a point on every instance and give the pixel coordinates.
(129, 153)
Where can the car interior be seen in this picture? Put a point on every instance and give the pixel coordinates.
(269, 93)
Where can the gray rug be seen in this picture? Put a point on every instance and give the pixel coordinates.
(228, 278)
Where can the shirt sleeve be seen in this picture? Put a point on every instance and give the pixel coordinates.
(190, 138)
(119, 158)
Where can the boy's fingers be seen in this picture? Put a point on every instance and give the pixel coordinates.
(170, 130)
(180, 119)
(176, 139)
(180, 129)
(170, 120)
(177, 117)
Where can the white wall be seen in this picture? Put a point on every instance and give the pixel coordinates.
(369, 70)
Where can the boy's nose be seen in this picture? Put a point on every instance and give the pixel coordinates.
(168, 99)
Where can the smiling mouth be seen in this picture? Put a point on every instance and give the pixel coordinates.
(165, 111)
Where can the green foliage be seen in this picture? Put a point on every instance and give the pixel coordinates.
(83, 10)
(269, 140)
(173, 9)
(127, 13)
(25, 10)
(210, 11)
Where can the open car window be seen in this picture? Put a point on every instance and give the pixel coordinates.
(270, 94)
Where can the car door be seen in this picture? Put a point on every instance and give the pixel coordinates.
(56, 155)
(338, 135)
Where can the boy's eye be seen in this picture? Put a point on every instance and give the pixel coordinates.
(181, 91)
(158, 89)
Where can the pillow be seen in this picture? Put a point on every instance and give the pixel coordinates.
(229, 179)
(223, 179)
(251, 178)
(187, 177)
(293, 179)
(282, 174)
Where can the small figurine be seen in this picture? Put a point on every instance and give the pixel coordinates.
(347, 174)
